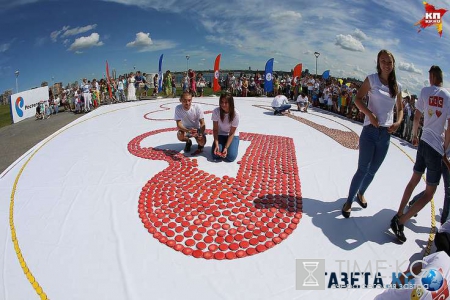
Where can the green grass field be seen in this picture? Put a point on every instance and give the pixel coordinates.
(5, 116)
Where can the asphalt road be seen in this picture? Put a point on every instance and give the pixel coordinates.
(16, 139)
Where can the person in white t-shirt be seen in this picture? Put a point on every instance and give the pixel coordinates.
(384, 92)
(302, 102)
(225, 129)
(56, 103)
(434, 105)
(438, 262)
(280, 104)
(190, 123)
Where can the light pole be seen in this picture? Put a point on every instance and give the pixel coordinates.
(187, 62)
(316, 54)
(53, 90)
(17, 80)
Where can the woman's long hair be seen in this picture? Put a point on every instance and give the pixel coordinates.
(392, 79)
(231, 112)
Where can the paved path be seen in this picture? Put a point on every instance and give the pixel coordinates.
(16, 139)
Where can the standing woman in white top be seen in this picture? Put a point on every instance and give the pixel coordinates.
(86, 89)
(225, 129)
(131, 88)
(384, 92)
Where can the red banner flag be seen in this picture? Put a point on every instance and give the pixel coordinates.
(109, 81)
(297, 73)
(216, 85)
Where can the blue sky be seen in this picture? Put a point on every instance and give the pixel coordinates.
(69, 40)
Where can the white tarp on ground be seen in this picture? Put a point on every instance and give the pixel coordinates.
(77, 223)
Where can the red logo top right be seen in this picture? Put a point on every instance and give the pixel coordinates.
(433, 17)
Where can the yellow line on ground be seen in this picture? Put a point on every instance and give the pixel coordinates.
(34, 283)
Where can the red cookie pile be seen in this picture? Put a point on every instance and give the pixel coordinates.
(209, 217)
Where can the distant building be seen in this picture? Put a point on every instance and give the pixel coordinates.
(57, 88)
(4, 98)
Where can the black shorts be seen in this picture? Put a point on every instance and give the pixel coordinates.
(431, 160)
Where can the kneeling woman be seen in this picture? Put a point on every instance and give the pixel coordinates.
(226, 135)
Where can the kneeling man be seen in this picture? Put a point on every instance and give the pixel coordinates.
(280, 104)
(190, 123)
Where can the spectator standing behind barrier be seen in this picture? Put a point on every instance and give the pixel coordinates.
(225, 129)
(139, 84)
(192, 82)
(185, 81)
(131, 88)
(200, 84)
(86, 91)
(56, 103)
(120, 90)
(174, 87)
(155, 85)
(167, 84)
(434, 104)
(384, 92)
(244, 86)
(409, 118)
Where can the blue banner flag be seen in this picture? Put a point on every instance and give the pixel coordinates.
(160, 74)
(268, 84)
(326, 74)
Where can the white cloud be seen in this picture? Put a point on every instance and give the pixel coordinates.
(359, 70)
(78, 30)
(86, 42)
(66, 42)
(385, 43)
(159, 45)
(287, 15)
(408, 67)
(348, 42)
(142, 40)
(144, 43)
(54, 35)
(4, 47)
(359, 35)
(210, 25)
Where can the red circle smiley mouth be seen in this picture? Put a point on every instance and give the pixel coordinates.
(209, 217)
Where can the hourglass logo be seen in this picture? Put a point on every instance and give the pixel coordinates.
(310, 274)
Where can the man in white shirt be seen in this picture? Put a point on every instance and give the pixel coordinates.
(302, 102)
(120, 90)
(280, 104)
(190, 123)
(434, 105)
(56, 103)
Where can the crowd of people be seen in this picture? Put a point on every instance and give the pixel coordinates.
(378, 103)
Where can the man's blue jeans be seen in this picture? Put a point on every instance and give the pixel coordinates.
(373, 147)
(282, 108)
(232, 151)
